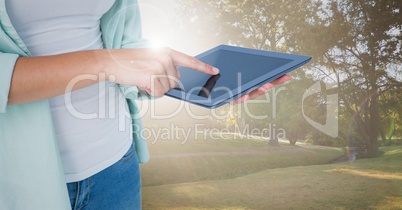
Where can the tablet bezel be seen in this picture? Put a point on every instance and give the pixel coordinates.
(297, 61)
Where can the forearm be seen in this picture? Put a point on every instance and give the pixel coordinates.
(37, 78)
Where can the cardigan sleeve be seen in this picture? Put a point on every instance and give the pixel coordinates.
(7, 63)
(132, 33)
(121, 26)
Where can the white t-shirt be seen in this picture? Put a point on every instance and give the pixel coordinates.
(92, 124)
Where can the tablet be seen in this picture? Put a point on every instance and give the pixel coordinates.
(241, 70)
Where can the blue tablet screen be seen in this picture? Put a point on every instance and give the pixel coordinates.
(246, 66)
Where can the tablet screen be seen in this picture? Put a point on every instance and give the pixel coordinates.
(246, 66)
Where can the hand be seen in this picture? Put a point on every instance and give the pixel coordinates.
(42, 77)
(261, 90)
(154, 70)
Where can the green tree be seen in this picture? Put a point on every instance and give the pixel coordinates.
(266, 25)
(363, 56)
(391, 119)
(354, 43)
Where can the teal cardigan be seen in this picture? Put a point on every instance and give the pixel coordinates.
(31, 174)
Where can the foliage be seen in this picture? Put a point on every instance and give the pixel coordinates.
(364, 59)
(355, 45)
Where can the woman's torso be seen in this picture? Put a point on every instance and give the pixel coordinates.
(94, 129)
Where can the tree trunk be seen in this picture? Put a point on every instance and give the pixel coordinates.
(374, 124)
(292, 141)
(273, 140)
(384, 139)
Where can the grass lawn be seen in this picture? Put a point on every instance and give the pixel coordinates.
(173, 162)
(361, 184)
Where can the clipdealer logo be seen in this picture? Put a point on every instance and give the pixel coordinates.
(330, 127)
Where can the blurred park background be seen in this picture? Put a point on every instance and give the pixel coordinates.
(276, 152)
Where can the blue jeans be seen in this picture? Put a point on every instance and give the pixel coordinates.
(116, 187)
